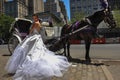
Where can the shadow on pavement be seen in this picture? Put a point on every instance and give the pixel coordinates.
(75, 60)
(8, 75)
(6, 55)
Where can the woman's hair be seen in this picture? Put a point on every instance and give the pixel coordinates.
(37, 17)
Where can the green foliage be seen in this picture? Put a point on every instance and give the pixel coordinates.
(5, 23)
(116, 14)
(59, 24)
(78, 16)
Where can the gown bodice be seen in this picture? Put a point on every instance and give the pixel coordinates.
(35, 31)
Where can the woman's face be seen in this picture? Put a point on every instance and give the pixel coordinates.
(35, 18)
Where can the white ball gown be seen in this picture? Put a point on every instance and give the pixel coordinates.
(31, 60)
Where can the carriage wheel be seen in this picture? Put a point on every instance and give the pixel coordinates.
(57, 52)
(12, 43)
(54, 45)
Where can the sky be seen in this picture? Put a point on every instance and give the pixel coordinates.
(66, 2)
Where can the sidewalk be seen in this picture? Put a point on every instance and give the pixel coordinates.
(78, 71)
(82, 71)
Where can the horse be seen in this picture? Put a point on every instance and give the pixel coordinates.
(88, 33)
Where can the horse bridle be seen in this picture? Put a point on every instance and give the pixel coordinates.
(88, 20)
(106, 18)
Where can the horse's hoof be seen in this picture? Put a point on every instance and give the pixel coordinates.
(69, 57)
(88, 60)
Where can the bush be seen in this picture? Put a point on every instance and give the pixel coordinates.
(5, 23)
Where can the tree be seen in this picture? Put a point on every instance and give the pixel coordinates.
(59, 24)
(77, 16)
(5, 23)
(116, 14)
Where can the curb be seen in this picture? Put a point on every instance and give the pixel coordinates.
(106, 72)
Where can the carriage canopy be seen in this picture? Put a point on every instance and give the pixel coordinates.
(23, 25)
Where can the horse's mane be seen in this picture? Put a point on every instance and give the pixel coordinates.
(97, 17)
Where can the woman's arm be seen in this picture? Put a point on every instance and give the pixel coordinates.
(36, 26)
(31, 29)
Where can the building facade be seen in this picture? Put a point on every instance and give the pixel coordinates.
(35, 6)
(114, 4)
(63, 10)
(19, 8)
(56, 7)
(87, 7)
(90, 6)
(1, 6)
(22, 8)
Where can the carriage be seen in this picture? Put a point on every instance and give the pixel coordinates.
(19, 30)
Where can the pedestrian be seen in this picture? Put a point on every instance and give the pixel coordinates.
(31, 60)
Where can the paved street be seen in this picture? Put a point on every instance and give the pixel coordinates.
(97, 51)
(102, 67)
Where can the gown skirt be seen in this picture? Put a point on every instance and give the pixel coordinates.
(31, 60)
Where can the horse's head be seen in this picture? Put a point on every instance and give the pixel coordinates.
(109, 19)
(102, 15)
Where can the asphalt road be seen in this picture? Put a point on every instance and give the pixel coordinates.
(97, 51)
(4, 50)
(100, 51)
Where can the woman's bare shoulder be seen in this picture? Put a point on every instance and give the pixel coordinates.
(36, 24)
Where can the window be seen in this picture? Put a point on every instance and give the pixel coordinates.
(72, 7)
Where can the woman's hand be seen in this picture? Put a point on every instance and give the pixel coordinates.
(36, 26)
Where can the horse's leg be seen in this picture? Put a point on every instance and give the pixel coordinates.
(64, 46)
(87, 47)
(68, 49)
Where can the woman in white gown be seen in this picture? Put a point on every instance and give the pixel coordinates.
(31, 60)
